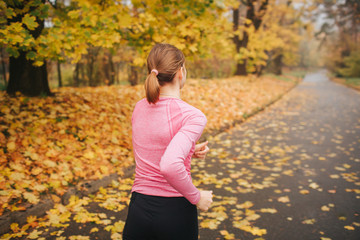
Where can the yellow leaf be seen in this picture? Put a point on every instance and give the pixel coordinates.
(55, 198)
(11, 146)
(50, 163)
(227, 235)
(246, 204)
(40, 187)
(89, 155)
(139, 61)
(304, 191)
(210, 223)
(16, 176)
(79, 237)
(116, 236)
(36, 171)
(254, 230)
(30, 21)
(15, 227)
(325, 208)
(342, 218)
(346, 165)
(104, 170)
(268, 210)
(284, 199)
(31, 219)
(31, 197)
(308, 221)
(314, 185)
(35, 234)
(349, 228)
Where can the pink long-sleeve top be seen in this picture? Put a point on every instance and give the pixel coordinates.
(164, 137)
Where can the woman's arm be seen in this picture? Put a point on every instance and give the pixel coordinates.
(172, 162)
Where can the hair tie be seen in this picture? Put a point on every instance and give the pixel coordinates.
(155, 71)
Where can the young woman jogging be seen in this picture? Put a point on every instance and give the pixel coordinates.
(165, 130)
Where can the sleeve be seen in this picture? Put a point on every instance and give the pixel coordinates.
(172, 165)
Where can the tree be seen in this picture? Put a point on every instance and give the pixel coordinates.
(289, 27)
(254, 13)
(72, 30)
(339, 33)
(195, 27)
(25, 21)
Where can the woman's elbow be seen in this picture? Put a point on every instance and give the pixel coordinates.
(165, 169)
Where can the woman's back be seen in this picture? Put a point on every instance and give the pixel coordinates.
(164, 137)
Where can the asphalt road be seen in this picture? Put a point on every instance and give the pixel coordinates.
(300, 157)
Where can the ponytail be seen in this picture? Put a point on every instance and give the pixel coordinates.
(152, 88)
(163, 62)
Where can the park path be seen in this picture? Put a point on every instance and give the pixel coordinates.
(289, 172)
(294, 169)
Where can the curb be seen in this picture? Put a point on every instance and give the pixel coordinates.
(87, 188)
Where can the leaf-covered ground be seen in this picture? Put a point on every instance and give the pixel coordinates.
(291, 172)
(50, 144)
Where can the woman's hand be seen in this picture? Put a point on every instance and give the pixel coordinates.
(205, 200)
(201, 150)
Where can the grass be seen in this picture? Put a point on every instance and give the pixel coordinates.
(279, 77)
(352, 81)
(2, 87)
(298, 73)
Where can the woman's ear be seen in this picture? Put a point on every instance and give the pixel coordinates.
(180, 73)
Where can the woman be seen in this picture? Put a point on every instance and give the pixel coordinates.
(165, 129)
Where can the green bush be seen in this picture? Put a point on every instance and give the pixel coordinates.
(352, 65)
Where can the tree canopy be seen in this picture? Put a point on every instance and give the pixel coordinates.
(251, 33)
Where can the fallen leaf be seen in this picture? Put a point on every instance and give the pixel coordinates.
(349, 228)
(284, 199)
(309, 221)
(268, 210)
(325, 208)
(304, 191)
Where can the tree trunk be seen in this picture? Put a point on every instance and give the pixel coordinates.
(24, 76)
(83, 75)
(3, 65)
(255, 19)
(240, 67)
(91, 69)
(59, 74)
(278, 65)
(133, 78)
(112, 70)
(76, 74)
(117, 66)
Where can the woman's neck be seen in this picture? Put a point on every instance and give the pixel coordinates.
(170, 91)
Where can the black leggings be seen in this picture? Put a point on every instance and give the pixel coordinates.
(160, 218)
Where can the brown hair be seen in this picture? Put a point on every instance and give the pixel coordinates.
(167, 60)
